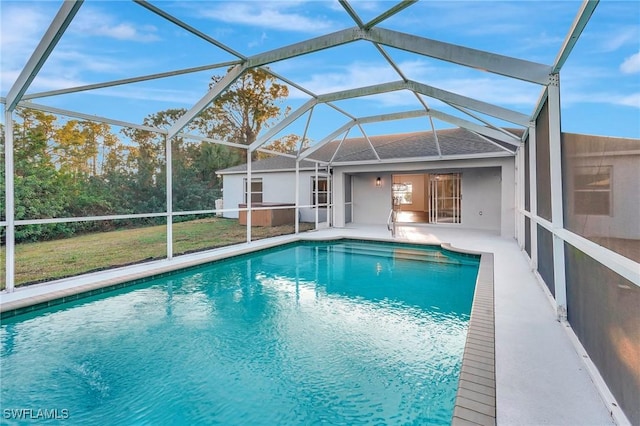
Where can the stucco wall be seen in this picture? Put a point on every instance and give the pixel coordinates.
(487, 186)
(277, 187)
(482, 199)
(371, 204)
(623, 221)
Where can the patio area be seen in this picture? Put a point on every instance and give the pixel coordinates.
(541, 378)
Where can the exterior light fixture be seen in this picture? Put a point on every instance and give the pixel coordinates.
(378, 182)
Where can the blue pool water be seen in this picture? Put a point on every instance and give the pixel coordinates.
(344, 332)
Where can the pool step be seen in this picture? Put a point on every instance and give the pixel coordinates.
(390, 252)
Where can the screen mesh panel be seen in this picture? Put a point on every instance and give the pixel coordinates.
(545, 258)
(603, 312)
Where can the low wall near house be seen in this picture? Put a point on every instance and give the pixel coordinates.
(268, 217)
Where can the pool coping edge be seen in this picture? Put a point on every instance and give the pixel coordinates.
(476, 397)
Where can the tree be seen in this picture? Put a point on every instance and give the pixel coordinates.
(74, 150)
(247, 107)
(40, 189)
(288, 144)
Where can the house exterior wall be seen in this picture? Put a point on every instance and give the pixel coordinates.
(482, 199)
(488, 192)
(487, 187)
(277, 187)
(622, 222)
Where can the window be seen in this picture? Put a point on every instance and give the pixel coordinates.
(402, 193)
(406, 196)
(592, 191)
(256, 190)
(322, 191)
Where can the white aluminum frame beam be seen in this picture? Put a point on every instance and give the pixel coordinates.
(289, 82)
(378, 19)
(398, 7)
(363, 120)
(127, 80)
(209, 97)
(48, 42)
(286, 52)
(470, 103)
(482, 120)
(169, 194)
(216, 141)
(9, 193)
(368, 141)
(580, 22)
(188, 27)
(497, 144)
(304, 47)
(498, 64)
(394, 116)
(582, 18)
(344, 128)
(432, 92)
(457, 54)
(476, 128)
(284, 123)
(557, 207)
(82, 116)
(346, 135)
(435, 136)
(304, 134)
(391, 62)
(389, 13)
(351, 12)
(363, 91)
(306, 91)
(533, 194)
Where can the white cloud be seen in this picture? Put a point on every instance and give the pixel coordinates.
(489, 89)
(46, 82)
(360, 74)
(66, 58)
(361, 5)
(271, 16)
(631, 65)
(619, 37)
(94, 22)
(585, 84)
(21, 28)
(492, 90)
(258, 42)
(575, 96)
(632, 100)
(181, 97)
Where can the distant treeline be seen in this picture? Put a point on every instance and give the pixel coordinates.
(76, 168)
(80, 168)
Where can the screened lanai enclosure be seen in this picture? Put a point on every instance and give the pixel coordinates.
(137, 131)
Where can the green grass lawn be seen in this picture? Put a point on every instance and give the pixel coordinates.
(49, 260)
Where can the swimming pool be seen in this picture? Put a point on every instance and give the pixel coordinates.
(344, 332)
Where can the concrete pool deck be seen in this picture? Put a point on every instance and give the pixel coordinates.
(541, 378)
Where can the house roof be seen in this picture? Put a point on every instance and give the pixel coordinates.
(451, 143)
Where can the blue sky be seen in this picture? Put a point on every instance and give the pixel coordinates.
(110, 40)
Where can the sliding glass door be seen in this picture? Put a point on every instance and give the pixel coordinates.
(445, 198)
